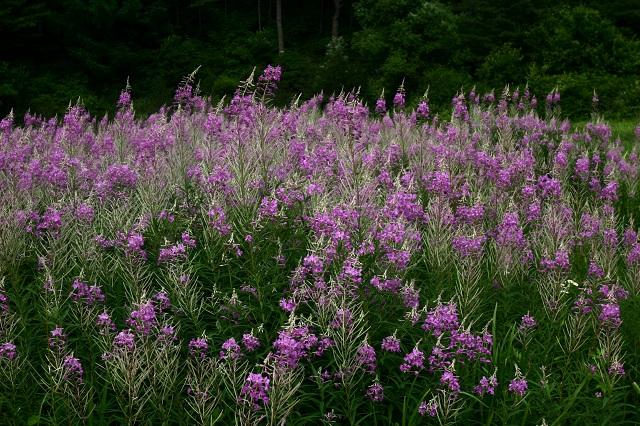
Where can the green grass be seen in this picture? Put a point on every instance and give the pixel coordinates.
(623, 129)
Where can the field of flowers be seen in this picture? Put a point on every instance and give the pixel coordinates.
(322, 263)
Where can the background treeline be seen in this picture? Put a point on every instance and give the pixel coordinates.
(54, 50)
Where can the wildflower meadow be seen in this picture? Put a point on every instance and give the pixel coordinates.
(327, 262)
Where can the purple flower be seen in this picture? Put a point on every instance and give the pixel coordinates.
(313, 264)
(630, 236)
(143, 319)
(582, 167)
(188, 240)
(292, 345)
(375, 392)
(549, 187)
(367, 357)
(198, 347)
(125, 99)
(57, 339)
(287, 305)
(610, 191)
(413, 362)
(489, 97)
(230, 349)
(527, 322)
(72, 368)
(351, 272)
(595, 270)
(51, 221)
(633, 258)
(8, 351)
(560, 262)
(468, 246)
(610, 315)
(271, 73)
(410, 296)
(391, 344)
(398, 100)
(218, 221)
(441, 319)
(134, 244)
(343, 318)
(125, 339)
(104, 322)
(451, 381)
(167, 334)
(616, 369)
(84, 212)
(486, 385)
(518, 386)
(117, 178)
(4, 303)
(184, 94)
(610, 237)
(162, 301)
(464, 343)
(256, 390)
(164, 215)
(429, 408)
(613, 293)
(533, 211)
(250, 342)
(323, 344)
(102, 242)
(460, 110)
(509, 233)
(172, 253)
(590, 226)
(423, 109)
(268, 207)
(288, 350)
(88, 294)
(381, 105)
(439, 183)
(393, 285)
(470, 215)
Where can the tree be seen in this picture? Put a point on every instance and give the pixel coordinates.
(336, 19)
(279, 26)
(402, 39)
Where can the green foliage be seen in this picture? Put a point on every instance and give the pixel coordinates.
(400, 39)
(89, 49)
(503, 65)
(617, 95)
(443, 81)
(582, 40)
(11, 83)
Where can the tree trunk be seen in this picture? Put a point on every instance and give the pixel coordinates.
(279, 26)
(336, 18)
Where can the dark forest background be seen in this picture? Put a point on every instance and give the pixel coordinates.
(56, 51)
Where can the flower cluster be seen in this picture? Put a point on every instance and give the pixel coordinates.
(256, 390)
(486, 385)
(86, 293)
(369, 248)
(143, 319)
(8, 351)
(292, 345)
